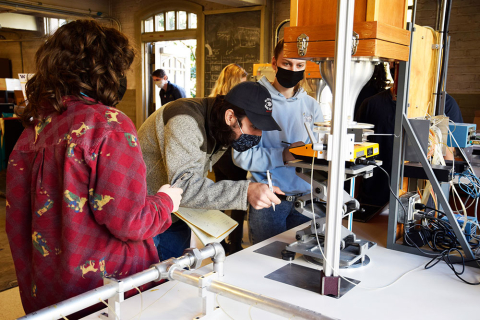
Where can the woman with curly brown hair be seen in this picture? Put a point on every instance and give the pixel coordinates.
(77, 203)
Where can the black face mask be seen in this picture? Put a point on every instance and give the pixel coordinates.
(287, 78)
(122, 88)
(245, 142)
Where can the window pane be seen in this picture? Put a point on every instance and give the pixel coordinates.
(409, 15)
(53, 25)
(149, 25)
(181, 20)
(159, 22)
(192, 21)
(170, 20)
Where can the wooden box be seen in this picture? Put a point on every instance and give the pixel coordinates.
(379, 23)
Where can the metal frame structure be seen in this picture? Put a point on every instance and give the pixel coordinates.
(173, 269)
(336, 167)
(402, 124)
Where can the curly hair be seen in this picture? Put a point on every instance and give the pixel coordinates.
(229, 77)
(80, 58)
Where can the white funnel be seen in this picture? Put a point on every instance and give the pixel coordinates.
(361, 70)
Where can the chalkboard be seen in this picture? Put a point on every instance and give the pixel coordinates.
(230, 38)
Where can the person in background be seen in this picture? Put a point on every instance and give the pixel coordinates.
(225, 169)
(168, 91)
(183, 140)
(379, 110)
(292, 107)
(379, 81)
(77, 204)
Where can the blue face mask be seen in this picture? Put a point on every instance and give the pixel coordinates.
(246, 141)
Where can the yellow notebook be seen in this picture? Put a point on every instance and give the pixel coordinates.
(208, 225)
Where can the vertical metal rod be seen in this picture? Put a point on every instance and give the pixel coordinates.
(446, 51)
(397, 157)
(396, 175)
(336, 167)
(352, 194)
(439, 61)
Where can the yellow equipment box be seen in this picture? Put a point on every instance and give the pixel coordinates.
(364, 149)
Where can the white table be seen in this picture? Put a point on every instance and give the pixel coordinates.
(422, 294)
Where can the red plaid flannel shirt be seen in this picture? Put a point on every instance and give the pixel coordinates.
(77, 204)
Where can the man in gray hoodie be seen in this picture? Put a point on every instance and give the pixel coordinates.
(182, 140)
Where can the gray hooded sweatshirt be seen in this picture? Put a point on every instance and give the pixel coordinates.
(175, 140)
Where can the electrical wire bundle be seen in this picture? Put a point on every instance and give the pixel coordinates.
(440, 235)
(442, 238)
(472, 189)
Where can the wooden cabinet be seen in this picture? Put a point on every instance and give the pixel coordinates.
(380, 25)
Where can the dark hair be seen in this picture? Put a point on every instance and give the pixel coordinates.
(219, 129)
(160, 73)
(278, 49)
(80, 57)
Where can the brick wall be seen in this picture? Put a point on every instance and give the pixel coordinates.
(282, 12)
(463, 81)
(463, 77)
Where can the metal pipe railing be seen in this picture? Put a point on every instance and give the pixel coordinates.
(93, 297)
(157, 272)
(272, 305)
(173, 269)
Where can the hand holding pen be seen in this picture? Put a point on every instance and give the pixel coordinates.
(270, 185)
(179, 180)
(174, 193)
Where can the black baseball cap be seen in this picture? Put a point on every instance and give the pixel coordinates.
(256, 101)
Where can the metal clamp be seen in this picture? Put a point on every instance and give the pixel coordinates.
(302, 44)
(113, 302)
(355, 39)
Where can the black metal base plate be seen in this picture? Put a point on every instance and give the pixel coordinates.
(273, 249)
(306, 278)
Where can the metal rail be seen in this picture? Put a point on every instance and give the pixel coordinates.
(336, 167)
(173, 269)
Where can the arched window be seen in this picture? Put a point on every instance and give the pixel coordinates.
(170, 21)
(171, 37)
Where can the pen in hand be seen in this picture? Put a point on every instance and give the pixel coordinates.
(270, 185)
(179, 179)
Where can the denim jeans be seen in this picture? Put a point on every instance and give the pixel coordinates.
(266, 223)
(173, 241)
